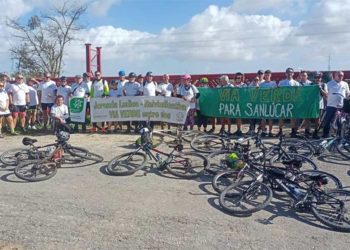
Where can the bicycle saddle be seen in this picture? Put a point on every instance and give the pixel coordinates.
(28, 141)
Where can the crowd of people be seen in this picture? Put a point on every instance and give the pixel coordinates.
(20, 100)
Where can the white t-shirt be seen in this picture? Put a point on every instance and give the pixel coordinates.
(114, 93)
(288, 83)
(98, 87)
(60, 111)
(33, 96)
(64, 91)
(336, 93)
(88, 86)
(270, 84)
(189, 93)
(48, 91)
(19, 92)
(131, 88)
(307, 83)
(165, 89)
(80, 90)
(229, 85)
(4, 98)
(149, 89)
(120, 87)
(7, 86)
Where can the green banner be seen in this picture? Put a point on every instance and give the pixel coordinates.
(273, 103)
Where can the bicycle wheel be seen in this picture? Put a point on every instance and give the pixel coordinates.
(226, 178)
(245, 197)
(332, 181)
(127, 164)
(343, 148)
(13, 156)
(187, 165)
(297, 146)
(218, 161)
(208, 143)
(333, 209)
(307, 164)
(189, 135)
(157, 139)
(36, 170)
(83, 153)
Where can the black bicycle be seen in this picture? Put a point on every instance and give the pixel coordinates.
(181, 164)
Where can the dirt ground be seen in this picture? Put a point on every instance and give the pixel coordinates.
(83, 208)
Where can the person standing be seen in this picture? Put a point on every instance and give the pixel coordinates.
(64, 89)
(239, 83)
(165, 89)
(304, 81)
(47, 91)
(80, 89)
(225, 83)
(338, 90)
(131, 88)
(189, 93)
(202, 120)
(288, 82)
(4, 109)
(19, 100)
(33, 103)
(268, 83)
(99, 88)
(120, 83)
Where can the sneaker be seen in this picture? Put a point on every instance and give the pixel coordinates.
(24, 129)
(34, 128)
(307, 133)
(293, 134)
(14, 133)
(211, 130)
(238, 133)
(270, 134)
(1, 136)
(29, 127)
(263, 134)
(251, 132)
(280, 133)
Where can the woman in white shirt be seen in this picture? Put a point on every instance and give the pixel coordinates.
(33, 103)
(4, 109)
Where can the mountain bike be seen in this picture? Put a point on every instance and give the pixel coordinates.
(181, 164)
(331, 207)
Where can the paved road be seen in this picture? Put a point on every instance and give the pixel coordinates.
(83, 208)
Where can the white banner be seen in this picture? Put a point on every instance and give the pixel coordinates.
(77, 108)
(139, 108)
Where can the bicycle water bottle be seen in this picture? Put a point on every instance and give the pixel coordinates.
(295, 191)
(323, 143)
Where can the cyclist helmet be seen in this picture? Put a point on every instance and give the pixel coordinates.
(203, 80)
(63, 136)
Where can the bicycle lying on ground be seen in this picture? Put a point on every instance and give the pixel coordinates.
(331, 207)
(179, 163)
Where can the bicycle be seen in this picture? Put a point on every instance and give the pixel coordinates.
(306, 195)
(181, 164)
(43, 164)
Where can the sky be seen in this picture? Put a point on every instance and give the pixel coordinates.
(200, 36)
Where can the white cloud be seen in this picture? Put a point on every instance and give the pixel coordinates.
(101, 7)
(253, 6)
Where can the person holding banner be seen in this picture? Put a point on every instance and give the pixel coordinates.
(120, 83)
(165, 89)
(202, 120)
(132, 88)
(225, 83)
(239, 83)
(148, 88)
(80, 89)
(113, 92)
(288, 82)
(338, 90)
(254, 84)
(189, 93)
(99, 88)
(268, 83)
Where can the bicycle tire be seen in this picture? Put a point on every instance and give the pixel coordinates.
(241, 188)
(157, 139)
(188, 165)
(10, 157)
(276, 160)
(130, 168)
(189, 135)
(83, 153)
(217, 162)
(297, 146)
(226, 178)
(336, 183)
(343, 148)
(208, 143)
(47, 169)
(335, 205)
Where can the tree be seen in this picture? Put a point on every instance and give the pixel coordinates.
(41, 43)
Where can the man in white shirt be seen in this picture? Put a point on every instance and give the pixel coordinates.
(261, 76)
(239, 83)
(121, 82)
(149, 87)
(288, 82)
(131, 87)
(267, 83)
(87, 82)
(34, 102)
(304, 81)
(165, 89)
(64, 89)
(19, 100)
(81, 89)
(189, 93)
(4, 109)
(47, 93)
(338, 90)
(60, 114)
(225, 83)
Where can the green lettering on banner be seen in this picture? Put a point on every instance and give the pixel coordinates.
(274, 103)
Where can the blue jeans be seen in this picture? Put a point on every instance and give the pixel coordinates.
(330, 114)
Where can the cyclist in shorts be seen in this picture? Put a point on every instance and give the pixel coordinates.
(4, 109)
(33, 103)
(19, 100)
(47, 91)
